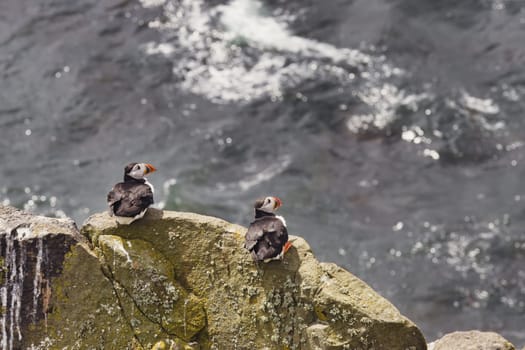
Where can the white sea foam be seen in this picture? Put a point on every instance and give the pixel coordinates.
(239, 52)
(384, 100)
(265, 174)
(212, 63)
(243, 18)
(152, 3)
(486, 110)
(482, 105)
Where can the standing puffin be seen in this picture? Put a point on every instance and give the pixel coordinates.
(267, 236)
(129, 200)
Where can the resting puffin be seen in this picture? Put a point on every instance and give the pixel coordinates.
(129, 200)
(267, 236)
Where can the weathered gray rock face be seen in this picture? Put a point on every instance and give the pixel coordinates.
(471, 340)
(33, 250)
(181, 281)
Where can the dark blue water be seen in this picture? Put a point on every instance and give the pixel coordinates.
(393, 130)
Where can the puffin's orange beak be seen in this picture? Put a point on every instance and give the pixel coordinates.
(150, 168)
(278, 202)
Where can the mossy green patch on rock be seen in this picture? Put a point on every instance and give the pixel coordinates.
(177, 236)
(359, 316)
(84, 312)
(147, 280)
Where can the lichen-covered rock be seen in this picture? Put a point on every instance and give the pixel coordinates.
(57, 293)
(297, 303)
(84, 312)
(472, 340)
(178, 281)
(147, 285)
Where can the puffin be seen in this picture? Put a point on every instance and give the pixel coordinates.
(267, 236)
(129, 200)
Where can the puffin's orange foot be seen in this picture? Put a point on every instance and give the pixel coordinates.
(287, 246)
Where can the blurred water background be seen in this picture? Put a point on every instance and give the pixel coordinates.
(392, 130)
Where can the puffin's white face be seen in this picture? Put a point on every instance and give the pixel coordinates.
(270, 204)
(140, 170)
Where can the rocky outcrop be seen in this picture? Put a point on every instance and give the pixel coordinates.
(182, 281)
(471, 340)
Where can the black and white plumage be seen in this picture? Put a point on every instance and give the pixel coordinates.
(129, 200)
(267, 236)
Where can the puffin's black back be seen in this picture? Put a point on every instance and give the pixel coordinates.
(266, 237)
(131, 197)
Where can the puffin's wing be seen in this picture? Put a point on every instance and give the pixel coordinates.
(266, 238)
(113, 198)
(134, 199)
(276, 234)
(254, 234)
